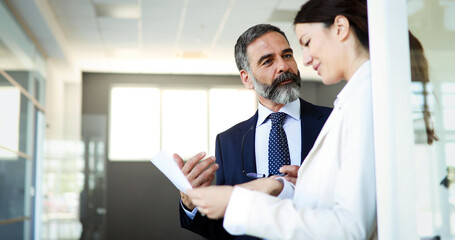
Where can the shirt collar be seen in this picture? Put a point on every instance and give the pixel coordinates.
(292, 109)
(361, 73)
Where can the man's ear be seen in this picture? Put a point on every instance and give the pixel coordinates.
(342, 27)
(246, 80)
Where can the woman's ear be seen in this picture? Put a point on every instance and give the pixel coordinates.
(246, 80)
(342, 27)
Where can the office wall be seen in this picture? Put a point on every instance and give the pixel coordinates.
(140, 202)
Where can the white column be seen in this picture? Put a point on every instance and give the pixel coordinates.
(393, 128)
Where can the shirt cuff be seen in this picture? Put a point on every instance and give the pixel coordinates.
(237, 211)
(288, 189)
(190, 214)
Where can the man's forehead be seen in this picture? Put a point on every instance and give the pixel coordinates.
(269, 39)
(263, 44)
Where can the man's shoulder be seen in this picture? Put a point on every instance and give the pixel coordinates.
(241, 126)
(308, 108)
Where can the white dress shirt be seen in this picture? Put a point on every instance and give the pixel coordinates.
(292, 127)
(335, 193)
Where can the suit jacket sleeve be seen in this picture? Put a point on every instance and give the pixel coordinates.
(211, 229)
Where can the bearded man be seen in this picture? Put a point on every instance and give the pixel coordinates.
(274, 141)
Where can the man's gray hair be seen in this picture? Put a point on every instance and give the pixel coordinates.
(253, 33)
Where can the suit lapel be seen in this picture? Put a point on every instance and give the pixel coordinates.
(319, 140)
(249, 156)
(317, 144)
(311, 121)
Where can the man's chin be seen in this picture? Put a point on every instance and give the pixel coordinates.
(284, 100)
(289, 96)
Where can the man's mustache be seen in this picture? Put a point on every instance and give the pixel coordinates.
(285, 76)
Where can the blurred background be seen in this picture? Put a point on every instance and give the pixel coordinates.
(90, 90)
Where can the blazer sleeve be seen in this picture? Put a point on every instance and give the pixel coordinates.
(220, 180)
(210, 229)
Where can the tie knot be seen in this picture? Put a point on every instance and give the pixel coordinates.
(277, 118)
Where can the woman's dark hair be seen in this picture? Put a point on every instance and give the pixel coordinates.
(325, 11)
(419, 73)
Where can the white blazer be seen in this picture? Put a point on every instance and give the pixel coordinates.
(335, 194)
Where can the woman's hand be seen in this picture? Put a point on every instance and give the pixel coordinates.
(290, 172)
(211, 201)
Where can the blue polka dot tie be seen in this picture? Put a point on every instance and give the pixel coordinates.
(278, 144)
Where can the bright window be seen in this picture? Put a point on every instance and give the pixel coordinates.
(144, 120)
(184, 121)
(227, 108)
(9, 121)
(134, 123)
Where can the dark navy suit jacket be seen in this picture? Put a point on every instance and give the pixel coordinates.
(228, 156)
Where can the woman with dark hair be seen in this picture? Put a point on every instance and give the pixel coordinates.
(335, 194)
(419, 73)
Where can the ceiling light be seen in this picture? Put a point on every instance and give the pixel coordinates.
(190, 54)
(123, 11)
(282, 16)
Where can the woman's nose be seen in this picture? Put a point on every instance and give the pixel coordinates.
(307, 59)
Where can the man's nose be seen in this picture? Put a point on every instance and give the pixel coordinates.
(283, 66)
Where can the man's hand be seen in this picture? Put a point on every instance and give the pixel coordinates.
(291, 172)
(194, 172)
(265, 185)
(211, 201)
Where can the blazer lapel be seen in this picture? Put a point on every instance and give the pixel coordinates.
(311, 120)
(248, 134)
(319, 140)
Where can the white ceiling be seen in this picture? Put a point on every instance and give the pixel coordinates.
(163, 36)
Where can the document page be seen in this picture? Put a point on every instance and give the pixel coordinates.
(166, 164)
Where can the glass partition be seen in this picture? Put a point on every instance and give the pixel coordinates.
(17, 120)
(62, 183)
(22, 88)
(13, 184)
(433, 24)
(19, 109)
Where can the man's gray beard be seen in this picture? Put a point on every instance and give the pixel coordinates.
(283, 94)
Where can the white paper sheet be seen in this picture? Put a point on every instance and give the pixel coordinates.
(171, 170)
